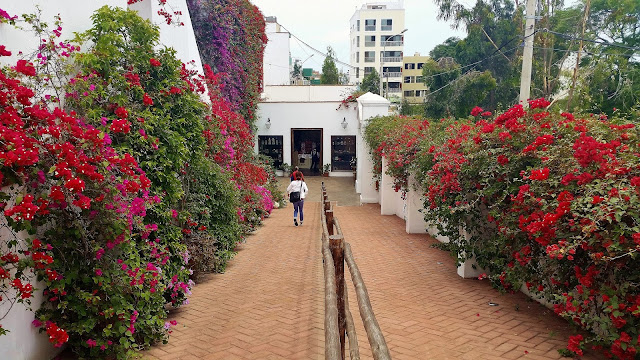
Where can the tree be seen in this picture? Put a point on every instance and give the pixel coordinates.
(329, 69)
(451, 92)
(297, 69)
(371, 83)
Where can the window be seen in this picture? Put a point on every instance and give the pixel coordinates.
(357, 73)
(409, 66)
(420, 65)
(358, 25)
(420, 79)
(271, 146)
(386, 24)
(357, 41)
(369, 41)
(343, 150)
(370, 25)
(369, 56)
(409, 93)
(357, 57)
(409, 79)
(368, 70)
(421, 93)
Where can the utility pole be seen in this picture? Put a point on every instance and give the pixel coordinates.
(527, 56)
(575, 70)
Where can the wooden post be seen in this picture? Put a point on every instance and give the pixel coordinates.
(329, 214)
(335, 243)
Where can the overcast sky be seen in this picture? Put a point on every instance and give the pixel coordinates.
(324, 23)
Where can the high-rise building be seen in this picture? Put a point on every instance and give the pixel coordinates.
(413, 86)
(377, 42)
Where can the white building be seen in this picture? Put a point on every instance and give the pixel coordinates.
(276, 60)
(377, 43)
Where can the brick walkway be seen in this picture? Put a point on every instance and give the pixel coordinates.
(269, 304)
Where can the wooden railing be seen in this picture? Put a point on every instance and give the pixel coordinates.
(338, 321)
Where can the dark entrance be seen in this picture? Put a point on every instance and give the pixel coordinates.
(306, 150)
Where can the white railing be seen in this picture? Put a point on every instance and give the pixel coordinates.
(369, 28)
(369, 43)
(392, 43)
(392, 59)
(394, 90)
(386, 27)
(393, 74)
(369, 60)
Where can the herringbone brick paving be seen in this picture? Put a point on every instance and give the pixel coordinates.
(269, 304)
(427, 312)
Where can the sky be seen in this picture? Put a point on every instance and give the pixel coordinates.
(326, 23)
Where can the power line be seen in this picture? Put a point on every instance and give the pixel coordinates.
(606, 43)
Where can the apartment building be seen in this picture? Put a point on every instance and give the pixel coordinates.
(413, 87)
(377, 42)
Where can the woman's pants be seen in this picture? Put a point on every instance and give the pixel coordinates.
(297, 206)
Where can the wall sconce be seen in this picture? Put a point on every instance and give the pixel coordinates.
(344, 123)
(268, 124)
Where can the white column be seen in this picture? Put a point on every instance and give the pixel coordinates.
(387, 193)
(415, 217)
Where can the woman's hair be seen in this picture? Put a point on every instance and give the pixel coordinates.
(297, 175)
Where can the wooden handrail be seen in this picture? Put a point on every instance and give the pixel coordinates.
(376, 339)
(331, 334)
(338, 318)
(354, 350)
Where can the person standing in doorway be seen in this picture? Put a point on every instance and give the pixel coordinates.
(297, 186)
(315, 157)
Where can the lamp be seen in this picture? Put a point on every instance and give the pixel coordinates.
(268, 124)
(344, 123)
(384, 47)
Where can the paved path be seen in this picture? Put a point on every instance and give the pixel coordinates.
(270, 302)
(267, 305)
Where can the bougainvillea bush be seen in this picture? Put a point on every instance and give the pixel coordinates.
(550, 202)
(231, 40)
(121, 179)
(82, 208)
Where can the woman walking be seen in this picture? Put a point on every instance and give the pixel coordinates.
(297, 191)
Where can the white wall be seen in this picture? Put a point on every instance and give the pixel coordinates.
(181, 38)
(306, 93)
(369, 106)
(276, 56)
(76, 17)
(317, 115)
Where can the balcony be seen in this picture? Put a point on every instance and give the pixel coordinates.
(392, 43)
(369, 28)
(369, 60)
(394, 90)
(369, 43)
(392, 59)
(393, 74)
(386, 27)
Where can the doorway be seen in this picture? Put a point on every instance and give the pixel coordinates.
(306, 150)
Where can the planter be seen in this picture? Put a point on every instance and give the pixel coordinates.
(326, 174)
(279, 173)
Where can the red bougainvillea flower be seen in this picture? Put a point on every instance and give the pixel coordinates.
(539, 174)
(122, 112)
(147, 100)
(25, 67)
(120, 126)
(57, 336)
(154, 62)
(476, 111)
(503, 160)
(4, 51)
